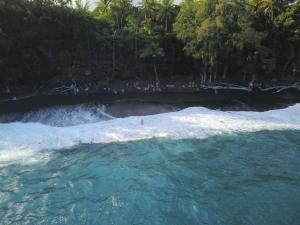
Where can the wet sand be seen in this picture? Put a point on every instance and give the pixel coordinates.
(141, 103)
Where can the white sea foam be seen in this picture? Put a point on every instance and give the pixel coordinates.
(62, 116)
(20, 140)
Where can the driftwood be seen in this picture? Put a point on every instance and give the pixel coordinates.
(222, 86)
(273, 90)
(277, 89)
(63, 89)
(17, 98)
(215, 87)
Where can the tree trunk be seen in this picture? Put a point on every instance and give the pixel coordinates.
(166, 25)
(294, 69)
(118, 24)
(7, 89)
(136, 46)
(244, 76)
(121, 23)
(155, 72)
(215, 77)
(114, 52)
(225, 72)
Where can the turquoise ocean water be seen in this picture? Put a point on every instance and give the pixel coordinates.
(239, 178)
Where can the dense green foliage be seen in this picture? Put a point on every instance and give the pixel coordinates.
(242, 39)
(52, 41)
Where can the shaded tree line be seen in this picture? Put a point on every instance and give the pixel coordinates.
(58, 41)
(242, 39)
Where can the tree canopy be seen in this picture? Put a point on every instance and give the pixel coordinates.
(256, 38)
(51, 41)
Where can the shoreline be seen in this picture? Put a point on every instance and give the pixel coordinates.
(216, 97)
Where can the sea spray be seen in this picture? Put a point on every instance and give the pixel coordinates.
(194, 122)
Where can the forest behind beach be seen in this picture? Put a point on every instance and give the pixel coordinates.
(50, 42)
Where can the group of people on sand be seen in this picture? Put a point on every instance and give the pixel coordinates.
(147, 87)
(150, 87)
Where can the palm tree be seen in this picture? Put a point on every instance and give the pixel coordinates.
(148, 9)
(120, 9)
(102, 7)
(152, 51)
(81, 5)
(166, 13)
(268, 7)
(116, 10)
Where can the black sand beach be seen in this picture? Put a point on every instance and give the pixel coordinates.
(140, 102)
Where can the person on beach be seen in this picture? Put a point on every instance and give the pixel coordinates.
(142, 122)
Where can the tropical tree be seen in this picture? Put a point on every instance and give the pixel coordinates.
(186, 23)
(153, 52)
(269, 8)
(120, 10)
(148, 9)
(102, 7)
(166, 13)
(82, 5)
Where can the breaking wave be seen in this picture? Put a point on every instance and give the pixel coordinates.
(19, 140)
(61, 116)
